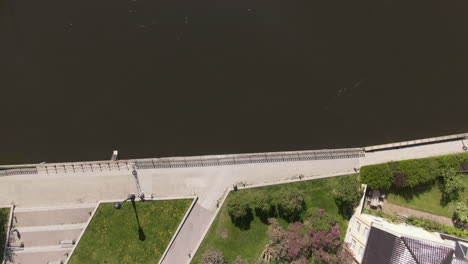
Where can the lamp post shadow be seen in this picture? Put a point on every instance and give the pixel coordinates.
(141, 233)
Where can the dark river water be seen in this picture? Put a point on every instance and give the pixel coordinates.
(152, 78)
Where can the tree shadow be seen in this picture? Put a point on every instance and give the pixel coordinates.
(291, 216)
(345, 209)
(243, 222)
(141, 233)
(263, 215)
(408, 193)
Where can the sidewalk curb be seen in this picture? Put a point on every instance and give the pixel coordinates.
(194, 252)
(195, 199)
(310, 178)
(7, 237)
(229, 189)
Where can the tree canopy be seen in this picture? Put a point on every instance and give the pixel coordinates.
(290, 204)
(347, 194)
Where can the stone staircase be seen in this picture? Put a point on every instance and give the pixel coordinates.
(46, 235)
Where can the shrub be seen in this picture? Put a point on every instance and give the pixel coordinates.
(461, 213)
(453, 161)
(213, 257)
(347, 194)
(452, 184)
(263, 205)
(378, 177)
(290, 205)
(390, 217)
(4, 216)
(436, 227)
(240, 211)
(424, 223)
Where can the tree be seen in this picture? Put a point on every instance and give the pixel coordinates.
(377, 177)
(300, 245)
(240, 211)
(213, 257)
(327, 247)
(288, 246)
(290, 205)
(461, 213)
(263, 205)
(320, 221)
(347, 194)
(452, 184)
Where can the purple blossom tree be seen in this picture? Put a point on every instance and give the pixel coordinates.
(300, 243)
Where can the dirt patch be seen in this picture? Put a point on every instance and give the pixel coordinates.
(224, 233)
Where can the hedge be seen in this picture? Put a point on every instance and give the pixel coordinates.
(436, 227)
(379, 176)
(410, 173)
(419, 171)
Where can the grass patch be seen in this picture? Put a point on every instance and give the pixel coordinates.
(427, 198)
(114, 236)
(4, 216)
(223, 235)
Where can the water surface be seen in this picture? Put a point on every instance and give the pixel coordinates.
(79, 78)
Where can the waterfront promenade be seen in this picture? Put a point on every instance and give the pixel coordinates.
(209, 183)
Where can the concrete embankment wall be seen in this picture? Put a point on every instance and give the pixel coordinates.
(417, 142)
(216, 160)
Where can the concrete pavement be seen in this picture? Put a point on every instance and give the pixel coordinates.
(41, 230)
(415, 152)
(208, 183)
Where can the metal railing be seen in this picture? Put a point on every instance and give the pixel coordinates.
(235, 159)
(18, 171)
(85, 167)
(181, 162)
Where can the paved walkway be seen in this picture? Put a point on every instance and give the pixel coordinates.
(405, 211)
(41, 230)
(209, 183)
(416, 152)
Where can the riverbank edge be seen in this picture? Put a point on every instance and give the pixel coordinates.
(265, 156)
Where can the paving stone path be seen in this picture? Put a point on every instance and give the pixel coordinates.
(405, 211)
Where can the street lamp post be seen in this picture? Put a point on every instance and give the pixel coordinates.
(119, 205)
(465, 148)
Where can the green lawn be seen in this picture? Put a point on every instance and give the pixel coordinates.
(232, 241)
(113, 236)
(427, 199)
(4, 216)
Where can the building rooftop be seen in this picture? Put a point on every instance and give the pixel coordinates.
(387, 247)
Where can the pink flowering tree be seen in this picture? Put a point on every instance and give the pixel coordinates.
(301, 243)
